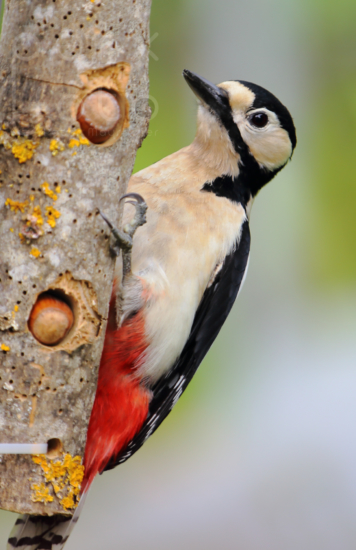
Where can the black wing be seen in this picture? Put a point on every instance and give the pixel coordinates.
(211, 314)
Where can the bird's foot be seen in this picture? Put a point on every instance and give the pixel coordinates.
(123, 239)
(140, 214)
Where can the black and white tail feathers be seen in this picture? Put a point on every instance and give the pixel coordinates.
(43, 532)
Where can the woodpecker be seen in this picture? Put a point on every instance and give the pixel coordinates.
(181, 267)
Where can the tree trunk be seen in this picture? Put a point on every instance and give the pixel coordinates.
(61, 60)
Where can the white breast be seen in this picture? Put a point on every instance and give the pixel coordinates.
(176, 253)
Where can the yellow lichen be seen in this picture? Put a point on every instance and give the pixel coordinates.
(52, 215)
(41, 460)
(39, 130)
(32, 198)
(47, 191)
(37, 216)
(23, 149)
(16, 308)
(68, 501)
(84, 141)
(73, 155)
(55, 146)
(65, 475)
(35, 252)
(11, 229)
(73, 143)
(41, 493)
(16, 206)
(58, 189)
(4, 347)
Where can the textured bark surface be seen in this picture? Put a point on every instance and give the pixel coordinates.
(52, 181)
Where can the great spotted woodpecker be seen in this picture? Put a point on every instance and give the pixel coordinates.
(177, 282)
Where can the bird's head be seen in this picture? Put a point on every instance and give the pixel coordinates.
(248, 122)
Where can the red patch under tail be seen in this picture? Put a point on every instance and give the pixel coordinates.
(121, 401)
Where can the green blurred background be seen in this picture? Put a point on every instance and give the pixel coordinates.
(260, 452)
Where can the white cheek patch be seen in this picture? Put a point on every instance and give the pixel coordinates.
(271, 150)
(271, 145)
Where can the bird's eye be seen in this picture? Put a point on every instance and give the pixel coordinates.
(259, 120)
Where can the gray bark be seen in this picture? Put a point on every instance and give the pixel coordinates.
(52, 54)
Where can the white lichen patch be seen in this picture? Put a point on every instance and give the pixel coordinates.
(43, 13)
(65, 232)
(24, 271)
(54, 257)
(82, 63)
(44, 159)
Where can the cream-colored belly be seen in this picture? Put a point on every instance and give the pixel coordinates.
(176, 252)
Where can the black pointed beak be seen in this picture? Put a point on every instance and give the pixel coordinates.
(216, 98)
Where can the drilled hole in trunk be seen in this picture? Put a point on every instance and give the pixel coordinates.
(54, 448)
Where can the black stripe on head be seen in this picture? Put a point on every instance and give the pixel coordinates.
(264, 99)
(252, 177)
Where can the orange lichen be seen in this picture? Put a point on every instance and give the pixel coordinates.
(35, 252)
(55, 146)
(77, 139)
(37, 216)
(47, 191)
(64, 475)
(41, 493)
(23, 149)
(4, 347)
(73, 143)
(16, 206)
(39, 130)
(52, 215)
(84, 141)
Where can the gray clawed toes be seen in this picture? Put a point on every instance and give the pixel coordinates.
(123, 239)
(140, 215)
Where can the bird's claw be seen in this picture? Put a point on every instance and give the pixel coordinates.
(140, 214)
(123, 239)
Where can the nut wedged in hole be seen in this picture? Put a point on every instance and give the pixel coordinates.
(81, 299)
(51, 319)
(99, 114)
(114, 79)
